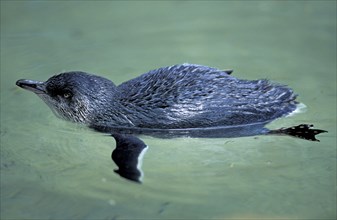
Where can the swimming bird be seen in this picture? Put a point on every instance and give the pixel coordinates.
(181, 100)
(186, 97)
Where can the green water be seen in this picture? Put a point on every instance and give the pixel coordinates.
(51, 169)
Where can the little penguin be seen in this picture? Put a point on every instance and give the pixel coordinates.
(176, 101)
(185, 98)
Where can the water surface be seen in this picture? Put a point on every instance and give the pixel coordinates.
(51, 169)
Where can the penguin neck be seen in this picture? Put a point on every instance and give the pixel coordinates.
(110, 112)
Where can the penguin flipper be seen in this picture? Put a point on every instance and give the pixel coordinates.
(128, 156)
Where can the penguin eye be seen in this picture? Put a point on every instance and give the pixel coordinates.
(67, 95)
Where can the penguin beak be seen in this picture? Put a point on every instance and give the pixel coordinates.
(31, 85)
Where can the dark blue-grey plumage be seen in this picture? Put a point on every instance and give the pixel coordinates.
(192, 96)
(175, 97)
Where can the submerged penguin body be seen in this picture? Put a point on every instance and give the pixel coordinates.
(176, 97)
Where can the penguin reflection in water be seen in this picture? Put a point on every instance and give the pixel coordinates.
(181, 100)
